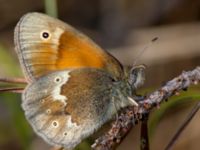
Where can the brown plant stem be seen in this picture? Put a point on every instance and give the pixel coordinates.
(129, 116)
(58, 148)
(12, 89)
(183, 126)
(144, 138)
(13, 80)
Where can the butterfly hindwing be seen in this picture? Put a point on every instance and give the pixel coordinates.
(64, 110)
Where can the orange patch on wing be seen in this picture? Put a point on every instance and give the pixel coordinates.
(40, 60)
(75, 51)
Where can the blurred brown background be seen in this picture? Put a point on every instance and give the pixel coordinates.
(123, 27)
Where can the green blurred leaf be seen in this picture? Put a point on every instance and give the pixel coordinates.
(18, 125)
(18, 121)
(51, 8)
(185, 98)
(85, 145)
(8, 65)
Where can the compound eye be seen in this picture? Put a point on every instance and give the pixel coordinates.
(137, 76)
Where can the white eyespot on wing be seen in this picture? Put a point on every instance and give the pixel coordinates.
(58, 129)
(55, 124)
(72, 133)
(62, 133)
(48, 111)
(60, 79)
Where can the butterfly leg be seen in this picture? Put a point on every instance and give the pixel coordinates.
(138, 98)
(116, 108)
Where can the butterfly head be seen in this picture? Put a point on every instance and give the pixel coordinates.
(137, 76)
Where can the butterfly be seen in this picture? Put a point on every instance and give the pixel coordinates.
(74, 86)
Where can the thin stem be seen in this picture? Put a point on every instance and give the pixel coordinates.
(58, 148)
(51, 8)
(13, 89)
(183, 126)
(144, 138)
(14, 80)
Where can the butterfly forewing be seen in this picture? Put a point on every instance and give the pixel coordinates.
(45, 44)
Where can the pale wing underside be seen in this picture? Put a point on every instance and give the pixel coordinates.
(64, 116)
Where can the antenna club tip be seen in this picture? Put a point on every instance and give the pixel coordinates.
(154, 39)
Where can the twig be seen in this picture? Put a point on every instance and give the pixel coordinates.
(183, 126)
(144, 139)
(130, 115)
(51, 8)
(13, 80)
(13, 89)
(58, 148)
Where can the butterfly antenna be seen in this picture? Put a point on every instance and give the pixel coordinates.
(138, 56)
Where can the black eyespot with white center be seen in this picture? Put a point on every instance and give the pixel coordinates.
(45, 35)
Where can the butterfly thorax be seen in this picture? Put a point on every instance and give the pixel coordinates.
(123, 94)
(124, 91)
